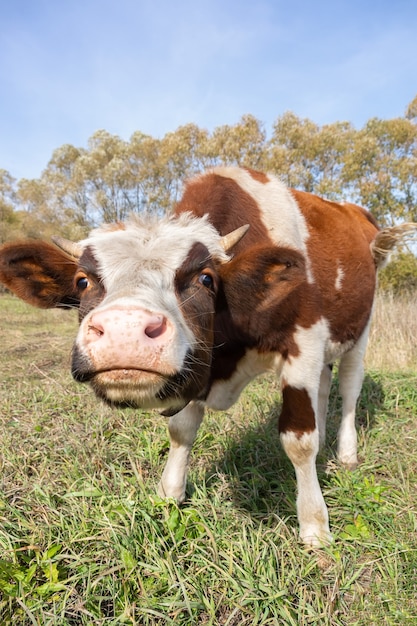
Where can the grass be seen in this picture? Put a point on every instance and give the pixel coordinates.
(84, 540)
(393, 338)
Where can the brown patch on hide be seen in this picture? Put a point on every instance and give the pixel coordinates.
(196, 283)
(259, 176)
(338, 245)
(227, 205)
(297, 413)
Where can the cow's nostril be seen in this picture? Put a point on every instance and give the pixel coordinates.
(95, 330)
(156, 327)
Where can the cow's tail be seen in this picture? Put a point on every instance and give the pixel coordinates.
(388, 238)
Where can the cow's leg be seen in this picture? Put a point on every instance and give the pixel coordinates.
(323, 402)
(351, 371)
(300, 440)
(183, 429)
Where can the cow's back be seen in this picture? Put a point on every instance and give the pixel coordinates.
(342, 264)
(233, 196)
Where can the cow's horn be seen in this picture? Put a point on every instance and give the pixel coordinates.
(228, 241)
(70, 247)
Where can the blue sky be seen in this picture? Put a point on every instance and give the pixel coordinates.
(69, 68)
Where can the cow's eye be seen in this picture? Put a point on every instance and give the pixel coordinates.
(82, 283)
(206, 280)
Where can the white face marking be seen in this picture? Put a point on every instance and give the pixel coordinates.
(149, 247)
(137, 264)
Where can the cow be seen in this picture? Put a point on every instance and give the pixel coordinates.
(180, 313)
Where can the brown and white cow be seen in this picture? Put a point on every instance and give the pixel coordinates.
(177, 315)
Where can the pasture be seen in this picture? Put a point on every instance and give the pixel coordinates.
(84, 540)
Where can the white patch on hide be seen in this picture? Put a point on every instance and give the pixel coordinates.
(339, 278)
(280, 212)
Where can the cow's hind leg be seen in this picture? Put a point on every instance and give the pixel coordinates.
(183, 429)
(323, 401)
(351, 371)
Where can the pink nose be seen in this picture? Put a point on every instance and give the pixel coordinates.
(125, 323)
(121, 337)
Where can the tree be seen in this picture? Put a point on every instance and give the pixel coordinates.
(61, 189)
(400, 275)
(242, 144)
(182, 154)
(91, 185)
(380, 169)
(309, 157)
(9, 219)
(411, 111)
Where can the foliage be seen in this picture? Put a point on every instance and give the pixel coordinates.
(375, 166)
(310, 157)
(400, 275)
(9, 220)
(380, 169)
(411, 112)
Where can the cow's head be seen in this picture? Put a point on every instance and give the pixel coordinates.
(146, 293)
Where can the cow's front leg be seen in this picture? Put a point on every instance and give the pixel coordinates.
(300, 439)
(183, 429)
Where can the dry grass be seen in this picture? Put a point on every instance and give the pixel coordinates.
(393, 338)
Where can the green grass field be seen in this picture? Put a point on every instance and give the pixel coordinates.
(84, 540)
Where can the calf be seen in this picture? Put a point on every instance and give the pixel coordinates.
(181, 313)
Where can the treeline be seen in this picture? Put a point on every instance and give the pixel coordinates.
(375, 166)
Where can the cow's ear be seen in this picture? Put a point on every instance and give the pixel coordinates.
(262, 287)
(39, 273)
